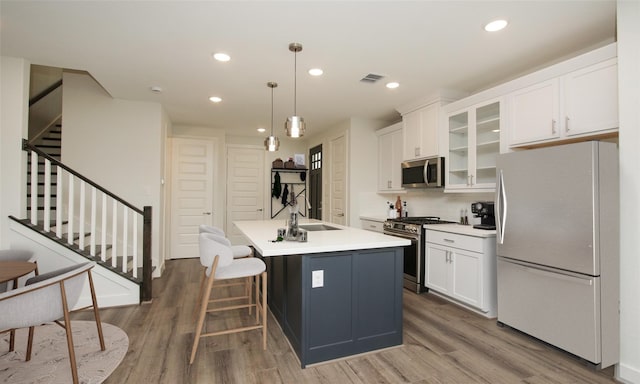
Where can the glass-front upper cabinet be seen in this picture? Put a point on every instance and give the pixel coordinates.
(474, 144)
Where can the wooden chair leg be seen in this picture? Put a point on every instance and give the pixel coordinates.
(247, 291)
(12, 340)
(203, 310)
(264, 310)
(96, 312)
(30, 343)
(202, 283)
(67, 327)
(257, 281)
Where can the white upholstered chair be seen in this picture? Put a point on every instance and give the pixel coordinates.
(238, 251)
(49, 297)
(219, 265)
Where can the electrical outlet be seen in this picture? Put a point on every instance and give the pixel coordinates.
(317, 279)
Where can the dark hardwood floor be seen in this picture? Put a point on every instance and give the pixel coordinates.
(443, 343)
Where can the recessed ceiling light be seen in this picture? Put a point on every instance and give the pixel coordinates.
(261, 130)
(495, 25)
(315, 72)
(392, 85)
(221, 56)
(215, 99)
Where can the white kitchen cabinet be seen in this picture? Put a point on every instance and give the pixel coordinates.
(581, 103)
(390, 159)
(420, 132)
(462, 268)
(474, 144)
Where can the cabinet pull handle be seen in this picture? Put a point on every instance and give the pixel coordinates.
(566, 124)
(206, 213)
(417, 151)
(449, 241)
(446, 256)
(553, 126)
(389, 184)
(471, 177)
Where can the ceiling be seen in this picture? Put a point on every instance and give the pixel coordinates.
(130, 46)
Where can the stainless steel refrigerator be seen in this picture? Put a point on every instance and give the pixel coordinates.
(557, 220)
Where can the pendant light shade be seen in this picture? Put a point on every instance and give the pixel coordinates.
(271, 143)
(295, 126)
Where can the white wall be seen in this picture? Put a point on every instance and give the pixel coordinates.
(363, 167)
(14, 93)
(118, 144)
(629, 97)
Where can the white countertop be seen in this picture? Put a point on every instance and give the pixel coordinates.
(261, 234)
(461, 229)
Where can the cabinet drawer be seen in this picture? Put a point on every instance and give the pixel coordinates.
(370, 225)
(454, 240)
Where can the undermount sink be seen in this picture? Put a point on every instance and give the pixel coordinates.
(317, 227)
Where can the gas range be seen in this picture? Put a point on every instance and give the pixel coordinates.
(411, 225)
(414, 258)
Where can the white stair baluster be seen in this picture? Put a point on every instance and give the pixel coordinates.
(34, 188)
(103, 240)
(114, 234)
(92, 244)
(70, 211)
(81, 216)
(59, 203)
(135, 244)
(47, 195)
(125, 233)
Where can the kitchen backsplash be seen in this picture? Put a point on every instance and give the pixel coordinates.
(427, 202)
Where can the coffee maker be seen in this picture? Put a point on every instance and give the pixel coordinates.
(484, 210)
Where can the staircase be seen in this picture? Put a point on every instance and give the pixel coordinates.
(77, 214)
(49, 143)
(82, 216)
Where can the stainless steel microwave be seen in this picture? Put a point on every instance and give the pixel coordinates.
(424, 173)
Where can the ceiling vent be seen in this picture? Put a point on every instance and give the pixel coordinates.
(371, 78)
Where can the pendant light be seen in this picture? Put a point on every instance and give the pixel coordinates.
(294, 125)
(271, 143)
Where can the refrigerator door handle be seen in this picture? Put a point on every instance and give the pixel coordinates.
(555, 274)
(501, 208)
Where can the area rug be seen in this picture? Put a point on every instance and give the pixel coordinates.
(50, 357)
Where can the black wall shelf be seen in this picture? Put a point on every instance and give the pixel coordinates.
(292, 178)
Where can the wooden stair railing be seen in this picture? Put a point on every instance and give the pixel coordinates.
(113, 241)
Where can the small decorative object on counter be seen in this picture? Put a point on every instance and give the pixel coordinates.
(399, 207)
(404, 209)
(466, 217)
(462, 216)
(392, 212)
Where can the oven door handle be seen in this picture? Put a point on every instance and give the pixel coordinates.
(402, 235)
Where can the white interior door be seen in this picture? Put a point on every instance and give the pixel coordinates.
(245, 188)
(338, 180)
(192, 170)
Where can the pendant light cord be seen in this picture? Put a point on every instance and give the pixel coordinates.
(271, 111)
(295, 81)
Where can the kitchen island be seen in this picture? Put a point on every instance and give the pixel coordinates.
(337, 294)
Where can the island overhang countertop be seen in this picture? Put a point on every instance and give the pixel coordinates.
(262, 233)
